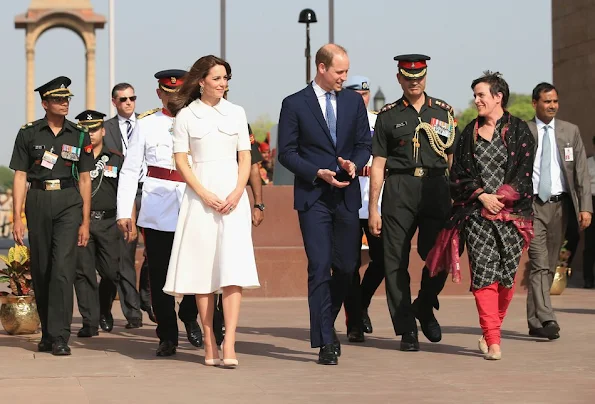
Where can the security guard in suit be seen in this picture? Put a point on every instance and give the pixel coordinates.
(151, 143)
(101, 253)
(53, 154)
(413, 140)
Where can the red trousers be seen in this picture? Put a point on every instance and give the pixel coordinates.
(492, 302)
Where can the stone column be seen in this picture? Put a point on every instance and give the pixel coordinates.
(30, 84)
(90, 78)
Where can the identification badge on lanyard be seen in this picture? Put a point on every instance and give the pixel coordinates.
(49, 159)
(568, 154)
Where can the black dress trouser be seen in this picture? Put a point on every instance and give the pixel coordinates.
(159, 245)
(53, 221)
(361, 291)
(101, 254)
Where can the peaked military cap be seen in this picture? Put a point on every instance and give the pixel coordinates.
(57, 87)
(412, 66)
(90, 119)
(170, 80)
(359, 83)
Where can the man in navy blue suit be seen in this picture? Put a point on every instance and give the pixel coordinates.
(324, 136)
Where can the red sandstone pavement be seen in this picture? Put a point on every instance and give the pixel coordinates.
(277, 365)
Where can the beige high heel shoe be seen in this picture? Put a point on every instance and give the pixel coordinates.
(482, 345)
(213, 362)
(229, 363)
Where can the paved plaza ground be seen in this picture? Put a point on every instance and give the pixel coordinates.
(277, 365)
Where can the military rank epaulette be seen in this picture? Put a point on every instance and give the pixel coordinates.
(31, 124)
(117, 153)
(147, 113)
(445, 106)
(387, 107)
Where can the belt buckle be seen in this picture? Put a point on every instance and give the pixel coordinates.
(97, 214)
(51, 185)
(419, 172)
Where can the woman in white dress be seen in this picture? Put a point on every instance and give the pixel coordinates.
(212, 250)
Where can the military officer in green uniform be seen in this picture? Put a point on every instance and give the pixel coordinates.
(54, 156)
(101, 253)
(412, 143)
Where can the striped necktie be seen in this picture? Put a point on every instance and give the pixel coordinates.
(128, 129)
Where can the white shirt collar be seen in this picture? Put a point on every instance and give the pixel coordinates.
(132, 118)
(200, 109)
(540, 124)
(319, 91)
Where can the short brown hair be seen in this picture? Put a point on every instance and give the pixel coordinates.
(327, 52)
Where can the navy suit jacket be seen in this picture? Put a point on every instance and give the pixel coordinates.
(305, 144)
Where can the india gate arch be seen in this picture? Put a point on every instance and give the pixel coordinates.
(77, 16)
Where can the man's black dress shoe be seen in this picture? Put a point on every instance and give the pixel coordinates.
(429, 324)
(45, 345)
(166, 348)
(106, 322)
(409, 342)
(87, 332)
(355, 335)
(60, 347)
(150, 313)
(327, 355)
(551, 329)
(367, 322)
(336, 343)
(136, 323)
(194, 333)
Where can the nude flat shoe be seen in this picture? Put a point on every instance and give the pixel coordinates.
(482, 345)
(496, 356)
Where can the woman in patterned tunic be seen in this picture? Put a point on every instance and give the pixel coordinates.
(492, 189)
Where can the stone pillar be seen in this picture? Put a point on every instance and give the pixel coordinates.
(90, 78)
(30, 84)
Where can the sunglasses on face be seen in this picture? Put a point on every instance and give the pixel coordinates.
(124, 99)
(58, 100)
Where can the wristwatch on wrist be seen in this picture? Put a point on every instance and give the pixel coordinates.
(259, 206)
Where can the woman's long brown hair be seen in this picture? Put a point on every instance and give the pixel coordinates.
(190, 90)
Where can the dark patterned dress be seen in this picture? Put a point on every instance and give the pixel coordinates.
(494, 246)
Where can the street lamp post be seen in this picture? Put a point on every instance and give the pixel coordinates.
(379, 100)
(307, 16)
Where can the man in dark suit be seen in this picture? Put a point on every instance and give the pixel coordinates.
(117, 133)
(324, 136)
(560, 183)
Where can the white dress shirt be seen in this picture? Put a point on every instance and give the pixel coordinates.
(321, 95)
(558, 181)
(364, 182)
(124, 130)
(591, 167)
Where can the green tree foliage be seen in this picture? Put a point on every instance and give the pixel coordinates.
(6, 177)
(261, 126)
(519, 105)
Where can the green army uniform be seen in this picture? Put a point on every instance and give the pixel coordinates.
(102, 250)
(53, 209)
(416, 197)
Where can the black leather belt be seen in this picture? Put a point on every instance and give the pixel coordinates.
(419, 171)
(52, 185)
(103, 214)
(554, 198)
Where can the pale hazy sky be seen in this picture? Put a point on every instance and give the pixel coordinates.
(265, 47)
